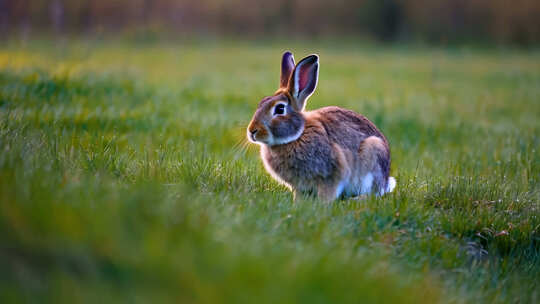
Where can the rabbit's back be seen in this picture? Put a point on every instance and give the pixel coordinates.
(345, 127)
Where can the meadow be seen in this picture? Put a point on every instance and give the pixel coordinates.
(125, 176)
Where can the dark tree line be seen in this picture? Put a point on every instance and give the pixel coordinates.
(501, 21)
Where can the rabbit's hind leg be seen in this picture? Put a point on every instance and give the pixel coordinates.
(373, 166)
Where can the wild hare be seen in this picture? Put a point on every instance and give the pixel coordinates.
(329, 152)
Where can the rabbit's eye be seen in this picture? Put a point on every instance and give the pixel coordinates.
(279, 109)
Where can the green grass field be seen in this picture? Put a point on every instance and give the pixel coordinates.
(125, 176)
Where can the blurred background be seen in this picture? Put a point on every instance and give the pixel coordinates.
(125, 172)
(435, 21)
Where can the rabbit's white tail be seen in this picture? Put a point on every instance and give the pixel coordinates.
(391, 184)
(389, 187)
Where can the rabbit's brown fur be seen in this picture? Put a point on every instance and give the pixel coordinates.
(329, 152)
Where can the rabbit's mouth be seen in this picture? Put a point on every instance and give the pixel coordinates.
(252, 135)
(259, 135)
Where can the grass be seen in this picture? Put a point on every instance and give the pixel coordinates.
(124, 176)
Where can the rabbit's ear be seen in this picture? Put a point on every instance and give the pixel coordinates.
(287, 67)
(303, 81)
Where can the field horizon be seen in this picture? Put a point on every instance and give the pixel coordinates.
(125, 175)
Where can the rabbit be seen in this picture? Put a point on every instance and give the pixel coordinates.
(330, 153)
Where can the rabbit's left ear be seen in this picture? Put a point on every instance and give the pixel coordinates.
(287, 67)
(304, 81)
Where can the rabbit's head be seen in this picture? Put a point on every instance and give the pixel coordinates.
(278, 118)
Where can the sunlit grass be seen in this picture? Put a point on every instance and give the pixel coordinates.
(124, 174)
